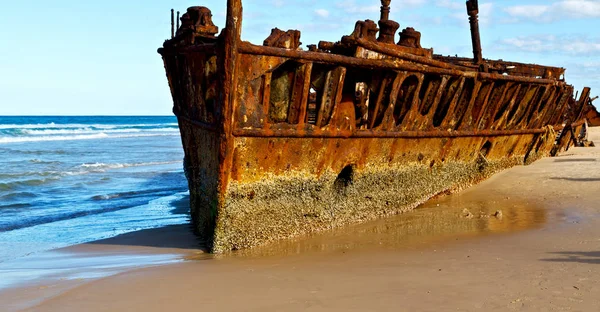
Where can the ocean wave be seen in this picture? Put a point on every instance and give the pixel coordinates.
(102, 135)
(13, 206)
(52, 138)
(94, 131)
(18, 195)
(103, 166)
(162, 201)
(29, 174)
(7, 186)
(82, 126)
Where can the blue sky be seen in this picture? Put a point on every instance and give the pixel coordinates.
(72, 57)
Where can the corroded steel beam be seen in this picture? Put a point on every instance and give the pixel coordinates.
(405, 56)
(248, 48)
(317, 133)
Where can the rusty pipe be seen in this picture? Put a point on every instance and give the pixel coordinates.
(172, 23)
(473, 11)
(385, 10)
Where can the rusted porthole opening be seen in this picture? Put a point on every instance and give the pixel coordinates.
(486, 148)
(345, 178)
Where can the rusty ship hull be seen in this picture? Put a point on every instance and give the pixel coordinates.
(280, 142)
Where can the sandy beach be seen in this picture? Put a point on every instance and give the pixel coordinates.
(528, 239)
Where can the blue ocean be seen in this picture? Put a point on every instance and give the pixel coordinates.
(70, 180)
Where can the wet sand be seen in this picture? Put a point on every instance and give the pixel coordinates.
(541, 252)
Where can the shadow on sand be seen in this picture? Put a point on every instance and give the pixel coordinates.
(180, 236)
(576, 179)
(576, 160)
(589, 257)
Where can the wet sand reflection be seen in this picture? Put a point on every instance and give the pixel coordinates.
(440, 220)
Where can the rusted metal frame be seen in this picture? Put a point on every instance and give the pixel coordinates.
(484, 106)
(550, 102)
(424, 100)
(341, 60)
(381, 99)
(339, 91)
(198, 124)
(502, 122)
(519, 112)
(305, 93)
(554, 106)
(559, 108)
(333, 81)
(563, 141)
(497, 105)
(228, 87)
(463, 124)
(317, 133)
(572, 140)
(413, 112)
(530, 109)
(535, 114)
(578, 123)
(205, 48)
(583, 99)
(558, 118)
(266, 97)
(297, 95)
(328, 58)
(428, 120)
(492, 76)
(369, 45)
(328, 78)
(532, 144)
(396, 84)
(453, 104)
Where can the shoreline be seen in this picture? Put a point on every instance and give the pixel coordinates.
(541, 253)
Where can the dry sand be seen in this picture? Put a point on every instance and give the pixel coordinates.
(541, 253)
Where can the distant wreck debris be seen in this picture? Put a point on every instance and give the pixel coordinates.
(281, 141)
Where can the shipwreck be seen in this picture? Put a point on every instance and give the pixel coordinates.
(281, 141)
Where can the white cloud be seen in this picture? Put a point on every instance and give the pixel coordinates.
(486, 11)
(352, 7)
(411, 3)
(450, 4)
(278, 3)
(552, 44)
(322, 12)
(576, 9)
(528, 11)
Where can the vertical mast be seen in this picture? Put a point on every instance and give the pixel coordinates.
(473, 11)
(385, 10)
(172, 23)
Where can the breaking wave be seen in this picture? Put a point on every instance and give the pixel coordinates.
(15, 133)
(101, 135)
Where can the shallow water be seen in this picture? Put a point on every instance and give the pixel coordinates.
(70, 180)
